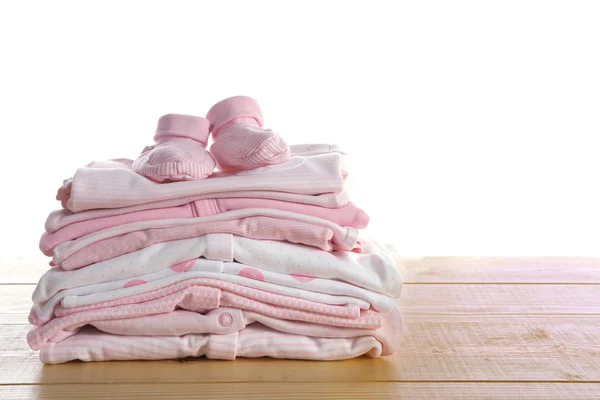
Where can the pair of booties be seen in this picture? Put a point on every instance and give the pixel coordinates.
(239, 143)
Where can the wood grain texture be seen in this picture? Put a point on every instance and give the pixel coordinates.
(330, 390)
(513, 270)
(512, 350)
(476, 329)
(28, 269)
(448, 299)
(454, 333)
(464, 301)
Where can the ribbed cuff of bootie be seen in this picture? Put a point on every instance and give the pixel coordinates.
(229, 109)
(184, 126)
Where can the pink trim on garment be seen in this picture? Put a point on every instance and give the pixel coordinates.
(346, 216)
(347, 311)
(261, 228)
(60, 218)
(254, 341)
(343, 238)
(96, 186)
(194, 298)
(230, 320)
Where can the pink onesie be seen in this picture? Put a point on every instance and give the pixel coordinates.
(223, 333)
(225, 320)
(112, 184)
(348, 215)
(254, 341)
(201, 294)
(221, 321)
(343, 238)
(262, 228)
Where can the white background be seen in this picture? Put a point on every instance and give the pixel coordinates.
(473, 125)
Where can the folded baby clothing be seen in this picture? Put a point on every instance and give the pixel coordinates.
(348, 215)
(370, 276)
(161, 258)
(71, 256)
(256, 340)
(68, 253)
(63, 225)
(115, 184)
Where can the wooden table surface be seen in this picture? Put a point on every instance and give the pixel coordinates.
(477, 328)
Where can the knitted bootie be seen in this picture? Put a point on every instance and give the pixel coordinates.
(180, 150)
(240, 141)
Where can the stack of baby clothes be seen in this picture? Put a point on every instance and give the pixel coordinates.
(161, 258)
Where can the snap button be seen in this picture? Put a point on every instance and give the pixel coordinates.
(225, 319)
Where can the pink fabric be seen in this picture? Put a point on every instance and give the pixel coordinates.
(184, 126)
(254, 341)
(231, 108)
(180, 150)
(346, 311)
(242, 146)
(229, 320)
(176, 323)
(75, 230)
(372, 276)
(64, 192)
(343, 238)
(221, 321)
(60, 218)
(190, 295)
(240, 141)
(348, 215)
(222, 333)
(96, 186)
(262, 228)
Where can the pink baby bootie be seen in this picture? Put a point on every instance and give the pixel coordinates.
(240, 141)
(180, 150)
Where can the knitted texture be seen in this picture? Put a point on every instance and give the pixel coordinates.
(240, 141)
(180, 151)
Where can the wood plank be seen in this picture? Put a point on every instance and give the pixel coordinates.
(501, 348)
(455, 333)
(440, 300)
(493, 300)
(329, 390)
(521, 270)
(29, 269)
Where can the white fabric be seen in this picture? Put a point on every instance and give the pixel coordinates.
(92, 294)
(120, 187)
(374, 269)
